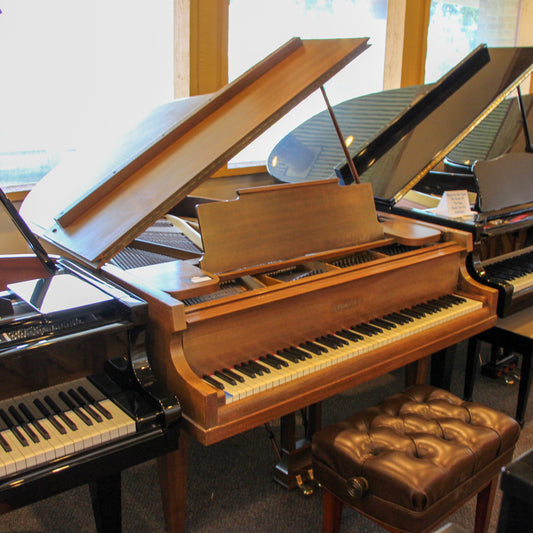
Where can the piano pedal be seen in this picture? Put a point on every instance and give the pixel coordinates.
(307, 487)
(501, 369)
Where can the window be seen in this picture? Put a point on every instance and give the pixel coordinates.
(256, 28)
(71, 68)
(456, 28)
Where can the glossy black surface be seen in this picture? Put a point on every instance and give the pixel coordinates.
(395, 159)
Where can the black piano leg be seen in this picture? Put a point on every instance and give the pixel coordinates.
(106, 501)
(523, 389)
(442, 367)
(471, 368)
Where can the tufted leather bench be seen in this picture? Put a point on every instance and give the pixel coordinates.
(413, 459)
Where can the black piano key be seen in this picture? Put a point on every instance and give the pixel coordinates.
(213, 382)
(408, 317)
(327, 342)
(442, 304)
(454, 298)
(298, 353)
(224, 377)
(312, 347)
(350, 335)
(256, 370)
(396, 318)
(288, 356)
(82, 403)
(263, 368)
(409, 311)
(380, 323)
(366, 329)
(273, 362)
(272, 359)
(55, 408)
(340, 341)
(13, 428)
(48, 415)
(445, 304)
(22, 424)
(424, 308)
(245, 370)
(447, 299)
(4, 444)
(435, 304)
(233, 375)
(75, 409)
(302, 353)
(361, 330)
(36, 424)
(97, 405)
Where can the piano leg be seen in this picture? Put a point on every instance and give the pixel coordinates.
(106, 503)
(524, 386)
(442, 367)
(416, 372)
(172, 469)
(295, 468)
(471, 368)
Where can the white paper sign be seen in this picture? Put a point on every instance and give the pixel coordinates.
(454, 204)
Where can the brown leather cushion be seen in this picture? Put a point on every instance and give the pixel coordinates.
(422, 452)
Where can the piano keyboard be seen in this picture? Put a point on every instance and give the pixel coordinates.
(516, 270)
(290, 363)
(51, 423)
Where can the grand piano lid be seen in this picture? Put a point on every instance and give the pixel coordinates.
(94, 204)
(395, 144)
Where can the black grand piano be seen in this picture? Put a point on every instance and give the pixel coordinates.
(467, 131)
(78, 399)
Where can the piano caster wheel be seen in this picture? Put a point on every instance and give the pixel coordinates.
(307, 488)
(515, 375)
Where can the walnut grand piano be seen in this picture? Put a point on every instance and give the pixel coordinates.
(300, 291)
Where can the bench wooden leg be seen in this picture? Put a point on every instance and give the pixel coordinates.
(485, 501)
(331, 519)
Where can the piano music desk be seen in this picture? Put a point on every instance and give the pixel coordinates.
(515, 334)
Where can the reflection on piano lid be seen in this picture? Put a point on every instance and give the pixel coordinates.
(500, 132)
(421, 142)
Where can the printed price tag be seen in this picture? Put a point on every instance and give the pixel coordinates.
(454, 204)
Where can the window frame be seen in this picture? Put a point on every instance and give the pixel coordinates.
(201, 49)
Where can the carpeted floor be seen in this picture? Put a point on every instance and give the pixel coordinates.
(230, 483)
